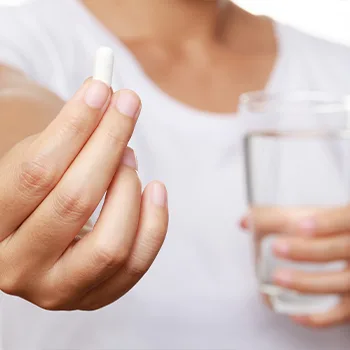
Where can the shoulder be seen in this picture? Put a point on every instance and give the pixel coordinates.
(38, 21)
(31, 14)
(38, 9)
(315, 45)
(42, 38)
(322, 62)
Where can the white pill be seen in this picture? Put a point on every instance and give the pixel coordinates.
(104, 63)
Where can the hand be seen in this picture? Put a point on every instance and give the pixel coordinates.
(50, 185)
(318, 236)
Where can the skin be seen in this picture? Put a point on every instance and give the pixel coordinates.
(197, 54)
(50, 184)
(200, 56)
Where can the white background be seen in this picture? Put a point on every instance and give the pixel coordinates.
(326, 18)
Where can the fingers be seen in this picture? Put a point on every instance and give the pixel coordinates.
(101, 252)
(326, 222)
(324, 249)
(264, 219)
(267, 220)
(28, 177)
(303, 221)
(150, 236)
(67, 208)
(338, 316)
(314, 283)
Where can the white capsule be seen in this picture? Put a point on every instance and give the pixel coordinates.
(104, 63)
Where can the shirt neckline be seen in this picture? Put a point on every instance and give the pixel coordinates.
(137, 79)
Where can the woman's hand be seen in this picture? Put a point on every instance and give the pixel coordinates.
(317, 236)
(51, 183)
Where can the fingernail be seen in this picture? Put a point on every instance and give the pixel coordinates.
(307, 226)
(97, 94)
(129, 159)
(127, 103)
(303, 319)
(244, 223)
(281, 248)
(159, 195)
(284, 278)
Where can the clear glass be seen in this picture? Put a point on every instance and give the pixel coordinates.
(297, 156)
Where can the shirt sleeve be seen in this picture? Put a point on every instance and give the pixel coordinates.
(23, 43)
(16, 39)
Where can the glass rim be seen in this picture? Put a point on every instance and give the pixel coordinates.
(320, 102)
(341, 134)
(294, 95)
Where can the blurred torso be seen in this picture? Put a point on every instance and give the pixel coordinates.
(201, 292)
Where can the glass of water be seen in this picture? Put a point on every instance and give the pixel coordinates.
(297, 157)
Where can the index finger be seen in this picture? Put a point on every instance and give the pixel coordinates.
(326, 222)
(305, 221)
(268, 219)
(28, 180)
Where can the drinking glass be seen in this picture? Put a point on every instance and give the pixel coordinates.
(297, 156)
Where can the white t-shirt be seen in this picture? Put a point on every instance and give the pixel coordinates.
(201, 291)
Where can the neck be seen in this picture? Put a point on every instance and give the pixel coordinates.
(169, 20)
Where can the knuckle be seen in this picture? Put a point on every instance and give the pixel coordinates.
(110, 258)
(52, 296)
(72, 205)
(10, 284)
(77, 123)
(35, 176)
(137, 269)
(18, 282)
(51, 302)
(11, 277)
(118, 131)
(117, 138)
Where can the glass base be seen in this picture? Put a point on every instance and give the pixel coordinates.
(287, 301)
(284, 301)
